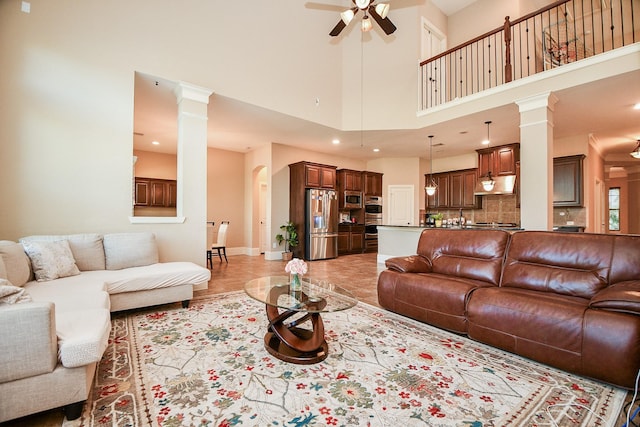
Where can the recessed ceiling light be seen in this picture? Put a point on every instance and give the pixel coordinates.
(375, 150)
(637, 106)
(336, 141)
(155, 143)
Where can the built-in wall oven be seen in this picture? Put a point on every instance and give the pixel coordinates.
(372, 216)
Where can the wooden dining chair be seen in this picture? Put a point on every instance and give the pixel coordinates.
(210, 242)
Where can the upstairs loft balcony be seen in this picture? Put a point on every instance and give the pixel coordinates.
(561, 33)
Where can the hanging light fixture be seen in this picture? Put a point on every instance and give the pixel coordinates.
(488, 183)
(430, 188)
(366, 23)
(636, 152)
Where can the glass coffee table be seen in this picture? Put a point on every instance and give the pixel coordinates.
(288, 309)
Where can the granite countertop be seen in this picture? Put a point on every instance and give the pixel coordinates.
(469, 226)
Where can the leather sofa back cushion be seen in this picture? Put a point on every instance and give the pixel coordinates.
(574, 264)
(472, 254)
(625, 265)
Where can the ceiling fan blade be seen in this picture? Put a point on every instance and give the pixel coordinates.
(341, 24)
(386, 24)
(338, 28)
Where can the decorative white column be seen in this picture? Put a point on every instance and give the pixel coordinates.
(192, 143)
(536, 161)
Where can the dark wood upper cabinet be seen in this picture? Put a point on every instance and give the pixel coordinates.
(318, 176)
(349, 180)
(567, 181)
(455, 190)
(372, 184)
(499, 160)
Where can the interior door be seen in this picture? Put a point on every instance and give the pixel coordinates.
(401, 205)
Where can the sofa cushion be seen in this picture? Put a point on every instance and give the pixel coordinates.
(469, 254)
(83, 336)
(124, 250)
(161, 275)
(16, 262)
(86, 290)
(10, 294)
(51, 260)
(572, 264)
(86, 248)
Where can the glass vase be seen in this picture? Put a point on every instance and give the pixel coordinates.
(294, 282)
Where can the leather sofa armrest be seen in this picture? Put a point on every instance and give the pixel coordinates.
(409, 264)
(28, 341)
(623, 297)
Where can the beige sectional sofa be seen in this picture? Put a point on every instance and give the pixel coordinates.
(56, 295)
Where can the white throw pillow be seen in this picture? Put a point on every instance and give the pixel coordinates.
(16, 262)
(86, 248)
(51, 260)
(124, 250)
(10, 294)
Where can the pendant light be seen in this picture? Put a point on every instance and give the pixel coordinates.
(636, 152)
(488, 183)
(430, 189)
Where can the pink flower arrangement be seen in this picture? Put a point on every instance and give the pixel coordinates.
(296, 266)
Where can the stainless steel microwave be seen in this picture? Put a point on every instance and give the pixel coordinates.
(353, 199)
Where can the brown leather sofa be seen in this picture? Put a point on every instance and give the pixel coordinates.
(569, 300)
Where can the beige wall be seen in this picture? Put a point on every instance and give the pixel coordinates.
(155, 165)
(225, 193)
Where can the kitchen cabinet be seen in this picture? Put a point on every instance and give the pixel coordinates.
(372, 183)
(316, 175)
(349, 180)
(154, 192)
(350, 239)
(499, 160)
(567, 181)
(455, 189)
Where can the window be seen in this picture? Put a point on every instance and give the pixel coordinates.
(614, 209)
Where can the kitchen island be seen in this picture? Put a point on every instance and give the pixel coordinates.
(402, 240)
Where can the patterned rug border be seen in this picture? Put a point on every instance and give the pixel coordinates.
(141, 398)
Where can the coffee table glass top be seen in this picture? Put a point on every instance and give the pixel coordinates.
(275, 291)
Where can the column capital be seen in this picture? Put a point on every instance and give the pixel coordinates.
(535, 102)
(192, 92)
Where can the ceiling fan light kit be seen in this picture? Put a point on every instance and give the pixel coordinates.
(636, 152)
(371, 9)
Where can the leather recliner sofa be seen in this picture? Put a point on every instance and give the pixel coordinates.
(569, 300)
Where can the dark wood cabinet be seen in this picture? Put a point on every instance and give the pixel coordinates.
(372, 183)
(319, 176)
(349, 180)
(498, 160)
(455, 189)
(350, 239)
(159, 193)
(567, 181)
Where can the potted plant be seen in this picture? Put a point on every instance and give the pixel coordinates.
(438, 219)
(290, 239)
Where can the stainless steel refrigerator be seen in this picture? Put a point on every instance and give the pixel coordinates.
(321, 231)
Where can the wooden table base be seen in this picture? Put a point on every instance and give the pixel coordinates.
(288, 342)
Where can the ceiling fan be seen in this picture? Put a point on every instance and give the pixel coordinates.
(378, 11)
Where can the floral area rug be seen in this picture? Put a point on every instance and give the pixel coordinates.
(207, 366)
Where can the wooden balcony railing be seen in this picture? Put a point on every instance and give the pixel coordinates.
(561, 33)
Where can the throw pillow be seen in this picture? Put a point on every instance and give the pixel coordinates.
(10, 294)
(16, 262)
(86, 248)
(51, 260)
